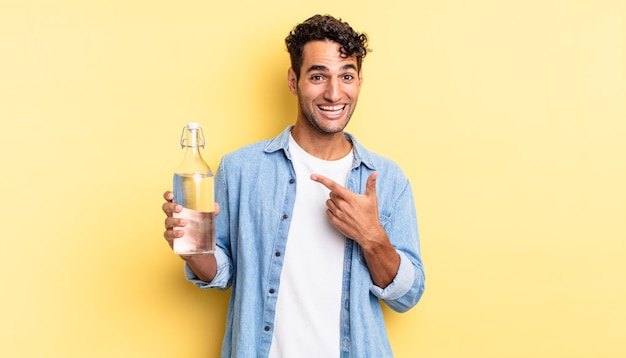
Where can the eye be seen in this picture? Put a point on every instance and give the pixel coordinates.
(317, 78)
(348, 78)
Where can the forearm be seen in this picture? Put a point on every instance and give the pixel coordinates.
(204, 266)
(381, 258)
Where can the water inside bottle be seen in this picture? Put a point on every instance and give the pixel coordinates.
(195, 193)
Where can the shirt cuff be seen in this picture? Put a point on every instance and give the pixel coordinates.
(401, 284)
(221, 279)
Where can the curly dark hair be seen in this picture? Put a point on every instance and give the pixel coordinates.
(325, 27)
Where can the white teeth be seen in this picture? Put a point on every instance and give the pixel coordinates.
(331, 108)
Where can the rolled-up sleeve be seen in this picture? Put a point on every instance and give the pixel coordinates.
(222, 279)
(401, 284)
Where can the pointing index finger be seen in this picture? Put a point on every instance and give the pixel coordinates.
(329, 183)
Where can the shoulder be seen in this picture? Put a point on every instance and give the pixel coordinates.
(392, 181)
(253, 159)
(254, 149)
(391, 177)
(261, 150)
(383, 163)
(375, 161)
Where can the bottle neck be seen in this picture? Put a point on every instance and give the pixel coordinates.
(191, 141)
(192, 144)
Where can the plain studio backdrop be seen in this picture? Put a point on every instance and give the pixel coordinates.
(509, 118)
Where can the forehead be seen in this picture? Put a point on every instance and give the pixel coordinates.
(325, 53)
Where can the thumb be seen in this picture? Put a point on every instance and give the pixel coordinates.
(370, 187)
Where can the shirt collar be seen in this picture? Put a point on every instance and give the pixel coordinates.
(361, 155)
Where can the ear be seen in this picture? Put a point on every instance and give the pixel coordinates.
(360, 77)
(292, 81)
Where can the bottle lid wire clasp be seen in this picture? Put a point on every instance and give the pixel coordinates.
(183, 140)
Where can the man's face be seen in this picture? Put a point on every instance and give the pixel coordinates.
(328, 87)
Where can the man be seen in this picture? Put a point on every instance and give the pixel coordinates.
(313, 229)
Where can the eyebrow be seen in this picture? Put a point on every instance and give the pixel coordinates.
(322, 68)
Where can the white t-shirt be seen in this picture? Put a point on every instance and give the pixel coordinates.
(309, 298)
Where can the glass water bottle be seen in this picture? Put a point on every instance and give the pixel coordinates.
(193, 189)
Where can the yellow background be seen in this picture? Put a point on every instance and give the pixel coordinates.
(509, 117)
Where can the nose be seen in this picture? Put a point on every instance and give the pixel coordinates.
(333, 90)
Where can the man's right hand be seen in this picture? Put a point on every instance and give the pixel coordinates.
(169, 208)
(204, 266)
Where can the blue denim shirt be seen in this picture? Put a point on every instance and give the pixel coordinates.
(255, 187)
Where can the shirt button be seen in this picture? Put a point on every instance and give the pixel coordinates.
(345, 345)
(272, 290)
(277, 253)
(266, 328)
(285, 216)
(292, 180)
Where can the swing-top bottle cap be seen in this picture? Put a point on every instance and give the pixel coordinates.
(193, 125)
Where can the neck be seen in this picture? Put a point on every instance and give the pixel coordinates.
(325, 146)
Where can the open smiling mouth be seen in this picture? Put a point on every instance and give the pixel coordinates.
(332, 110)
